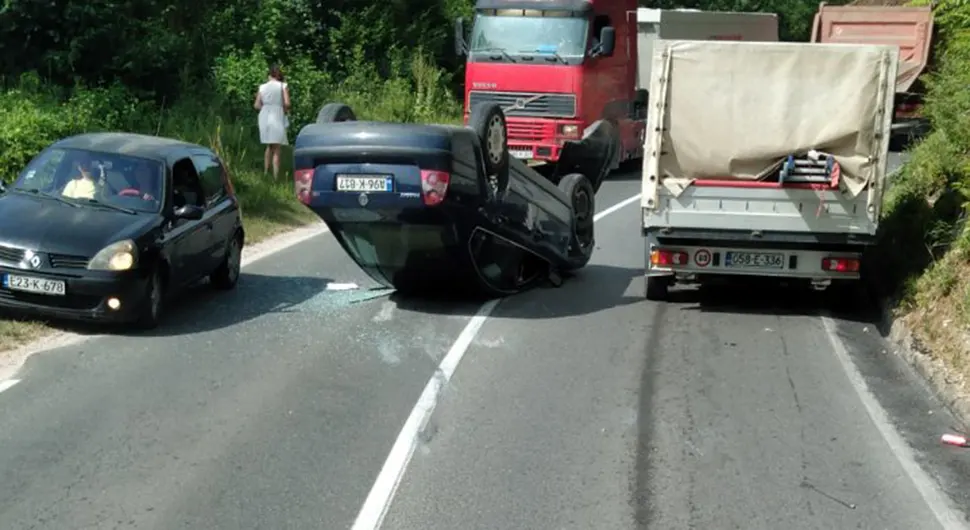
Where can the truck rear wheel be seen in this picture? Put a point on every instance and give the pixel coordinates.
(335, 112)
(488, 122)
(657, 288)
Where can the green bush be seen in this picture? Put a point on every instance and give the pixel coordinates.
(924, 239)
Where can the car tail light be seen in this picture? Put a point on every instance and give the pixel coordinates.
(302, 182)
(667, 258)
(840, 264)
(434, 186)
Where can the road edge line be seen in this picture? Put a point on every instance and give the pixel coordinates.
(930, 492)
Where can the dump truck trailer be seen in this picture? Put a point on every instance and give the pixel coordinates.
(764, 159)
(910, 29)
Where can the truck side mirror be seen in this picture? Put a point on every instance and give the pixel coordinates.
(459, 36)
(607, 41)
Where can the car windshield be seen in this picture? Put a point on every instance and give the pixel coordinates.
(525, 35)
(95, 179)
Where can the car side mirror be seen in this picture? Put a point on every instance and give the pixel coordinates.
(460, 37)
(190, 212)
(607, 41)
(3, 187)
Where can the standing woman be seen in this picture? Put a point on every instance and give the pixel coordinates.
(273, 102)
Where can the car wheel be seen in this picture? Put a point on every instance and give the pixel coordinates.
(488, 122)
(227, 275)
(153, 304)
(335, 112)
(657, 288)
(582, 200)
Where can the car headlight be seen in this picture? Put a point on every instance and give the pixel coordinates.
(119, 256)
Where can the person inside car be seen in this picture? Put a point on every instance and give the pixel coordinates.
(144, 185)
(82, 184)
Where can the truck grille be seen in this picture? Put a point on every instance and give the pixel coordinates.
(63, 261)
(544, 105)
(11, 255)
(525, 131)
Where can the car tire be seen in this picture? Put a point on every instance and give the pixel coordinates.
(226, 276)
(582, 200)
(335, 112)
(153, 305)
(488, 122)
(657, 288)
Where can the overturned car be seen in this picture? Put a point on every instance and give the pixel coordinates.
(438, 208)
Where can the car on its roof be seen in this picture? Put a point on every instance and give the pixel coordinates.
(108, 226)
(426, 208)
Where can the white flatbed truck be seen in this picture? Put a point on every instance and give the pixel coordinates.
(764, 159)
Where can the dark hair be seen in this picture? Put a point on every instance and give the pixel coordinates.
(275, 72)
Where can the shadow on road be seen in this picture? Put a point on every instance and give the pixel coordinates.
(772, 298)
(592, 289)
(202, 308)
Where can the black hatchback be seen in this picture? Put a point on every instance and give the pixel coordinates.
(106, 226)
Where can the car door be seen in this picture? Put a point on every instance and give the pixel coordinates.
(221, 207)
(187, 239)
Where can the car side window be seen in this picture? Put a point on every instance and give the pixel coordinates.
(210, 174)
(186, 188)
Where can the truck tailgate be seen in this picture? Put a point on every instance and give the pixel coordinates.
(766, 209)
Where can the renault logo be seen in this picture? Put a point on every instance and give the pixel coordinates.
(31, 260)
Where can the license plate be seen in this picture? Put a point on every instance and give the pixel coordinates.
(381, 183)
(30, 284)
(754, 260)
(521, 155)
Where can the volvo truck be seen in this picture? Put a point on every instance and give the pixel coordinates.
(557, 66)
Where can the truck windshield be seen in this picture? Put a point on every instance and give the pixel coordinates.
(516, 35)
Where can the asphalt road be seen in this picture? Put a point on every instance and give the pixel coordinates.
(582, 407)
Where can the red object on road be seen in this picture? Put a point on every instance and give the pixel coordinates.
(955, 439)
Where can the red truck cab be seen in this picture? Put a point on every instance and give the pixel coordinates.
(555, 67)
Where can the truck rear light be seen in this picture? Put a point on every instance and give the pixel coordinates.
(302, 182)
(667, 258)
(434, 186)
(840, 264)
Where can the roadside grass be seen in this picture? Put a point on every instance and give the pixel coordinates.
(922, 260)
(35, 114)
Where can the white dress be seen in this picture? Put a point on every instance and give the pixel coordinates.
(272, 127)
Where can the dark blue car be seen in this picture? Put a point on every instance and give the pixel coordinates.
(425, 208)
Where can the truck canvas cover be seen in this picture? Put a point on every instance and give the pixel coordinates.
(736, 110)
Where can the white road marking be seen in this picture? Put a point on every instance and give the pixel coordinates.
(378, 501)
(341, 286)
(11, 361)
(5, 385)
(927, 487)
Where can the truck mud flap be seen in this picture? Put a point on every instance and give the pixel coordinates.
(591, 156)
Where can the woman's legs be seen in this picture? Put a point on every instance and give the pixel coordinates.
(267, 156)
(276, 161)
